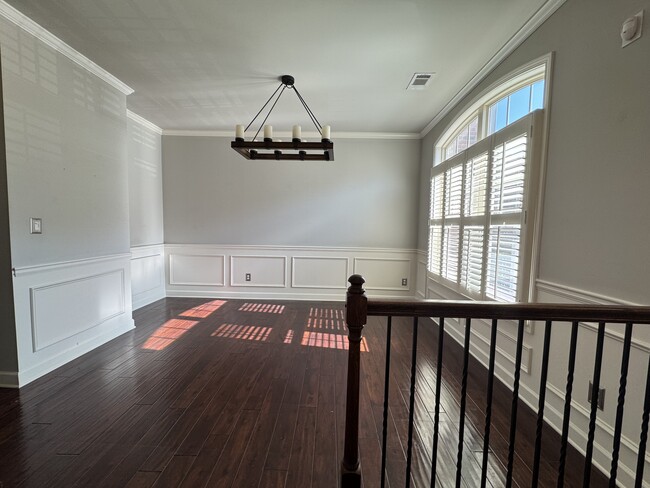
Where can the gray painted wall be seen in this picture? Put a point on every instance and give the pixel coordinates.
(145, 185)
(367, 197)
(595, 231)
(8, 350)
(66, 155)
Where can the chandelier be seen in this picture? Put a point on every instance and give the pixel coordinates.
(297, 149)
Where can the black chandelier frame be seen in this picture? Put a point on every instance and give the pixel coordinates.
(296, 150)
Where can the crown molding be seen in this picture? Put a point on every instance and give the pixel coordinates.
(144, 122)
(28, 25)
(538, 18)
(306, 135)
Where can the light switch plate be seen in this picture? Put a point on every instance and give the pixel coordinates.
(36, 225)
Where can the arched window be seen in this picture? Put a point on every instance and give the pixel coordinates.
(484, 190)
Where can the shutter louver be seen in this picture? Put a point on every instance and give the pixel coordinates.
(472, 259)
(476, 185)
(454, 185)
(437, 194)
(435, 246)
(508, 175)
(503, 262)
(450, 248)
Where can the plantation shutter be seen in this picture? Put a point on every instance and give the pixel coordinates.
(479, 205)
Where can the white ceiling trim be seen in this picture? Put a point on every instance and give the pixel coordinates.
(305, 135)
(144, 122)
(515, 41)
(28, 25)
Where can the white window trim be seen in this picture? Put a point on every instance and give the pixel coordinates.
(541, 67)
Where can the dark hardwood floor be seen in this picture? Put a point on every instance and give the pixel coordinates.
(245, 394)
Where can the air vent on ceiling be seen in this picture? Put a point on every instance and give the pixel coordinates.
(419, 81)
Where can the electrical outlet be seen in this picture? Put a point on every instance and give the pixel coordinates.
(404, 281)
(248, 276)
(601, 396)
(36, 225)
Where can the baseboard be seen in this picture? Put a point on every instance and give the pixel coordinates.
(9, 379)
(35, 372)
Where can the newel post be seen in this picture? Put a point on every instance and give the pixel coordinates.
(355, 317)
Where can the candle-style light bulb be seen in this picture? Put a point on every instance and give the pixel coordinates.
(268, 132)
(296, 133)
(239, 131)
(326, 132)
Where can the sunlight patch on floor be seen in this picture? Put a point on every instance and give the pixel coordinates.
(243, 332)
(167, 333)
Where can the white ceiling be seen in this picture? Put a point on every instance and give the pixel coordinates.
(211, 64)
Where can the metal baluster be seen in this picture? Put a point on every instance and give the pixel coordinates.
(488, 409)
(586, 479)
(436, 415)
(567, 404)
(385, 419)
(515, 402)
(409, 450)
(542, 400)
(618, 426)
(640, 462)
(463, 402)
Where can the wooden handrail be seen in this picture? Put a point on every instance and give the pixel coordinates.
(358, 307)
(509, 311)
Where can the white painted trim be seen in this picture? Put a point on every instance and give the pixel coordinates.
(385, 288)
(544, 12)
(65, 357)
(310, 136)
(258, 285)
(171, 269)
(331, 258)
(156, 292)
(33, 293)
(28, 25)
(143, 122)
(146, 251)
(576, 407)
(9, 379)
(66, 264)
(257, 248)
(262, 295)
(581, 296)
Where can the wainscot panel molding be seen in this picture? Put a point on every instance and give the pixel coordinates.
(384, 273)
(291, 272)
(319, 272)
(549, 292)
(197, 269)
(258, 271)
(421, 276)
(147, 274)
(64, 310)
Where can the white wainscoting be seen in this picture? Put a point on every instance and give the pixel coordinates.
(421, 277)
(319, 272)
(308, 273)
(262, 271)
(384, 273)
(197, 270)
(548, 292)
(64, 310)
(147, 274)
